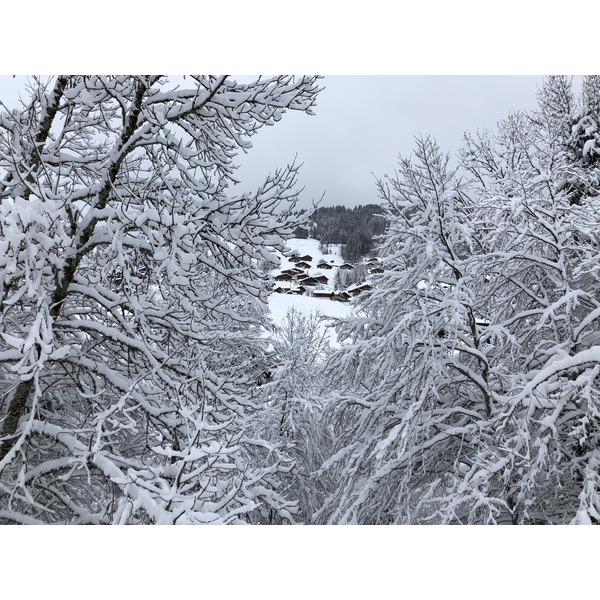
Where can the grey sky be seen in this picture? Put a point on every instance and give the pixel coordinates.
(362, 123)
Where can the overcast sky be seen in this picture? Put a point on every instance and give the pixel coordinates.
(361, 125)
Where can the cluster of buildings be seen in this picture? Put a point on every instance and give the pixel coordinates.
(296, 280)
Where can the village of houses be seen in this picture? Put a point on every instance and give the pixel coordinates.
(319, 275)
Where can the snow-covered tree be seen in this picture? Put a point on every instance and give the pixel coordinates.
(584, 142)
(131, 298)
(539, 286)
(467, 387)
(413, 377)
(292, 417)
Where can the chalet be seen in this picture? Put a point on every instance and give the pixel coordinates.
(292, 272)
(294, 259)
(355, 290)
(297, 290)
(283, 277)
(373, 260)
(324, 294)
(303, 265)
(376, 270)
(324, 265)
(307, 258)
(346, 267)
(308, 280)
(341, 296)
(321, 279)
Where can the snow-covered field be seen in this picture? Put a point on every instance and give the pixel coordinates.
(279, 304)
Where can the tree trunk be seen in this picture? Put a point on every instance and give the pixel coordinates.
(19, 400)
(15, 410)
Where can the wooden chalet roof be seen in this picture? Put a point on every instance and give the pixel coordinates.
(341, 296)
(298, 290)
(292, 272)
(323, 293)
(357, 289)
(308, 280)
(283, 277)
(324, 265)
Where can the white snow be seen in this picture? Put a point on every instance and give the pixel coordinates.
(279, 304)
(311, 247)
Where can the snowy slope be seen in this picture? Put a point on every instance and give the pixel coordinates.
(279, 304)
(311, 247)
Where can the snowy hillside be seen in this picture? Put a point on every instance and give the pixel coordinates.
(311, 247)
(280, 303)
